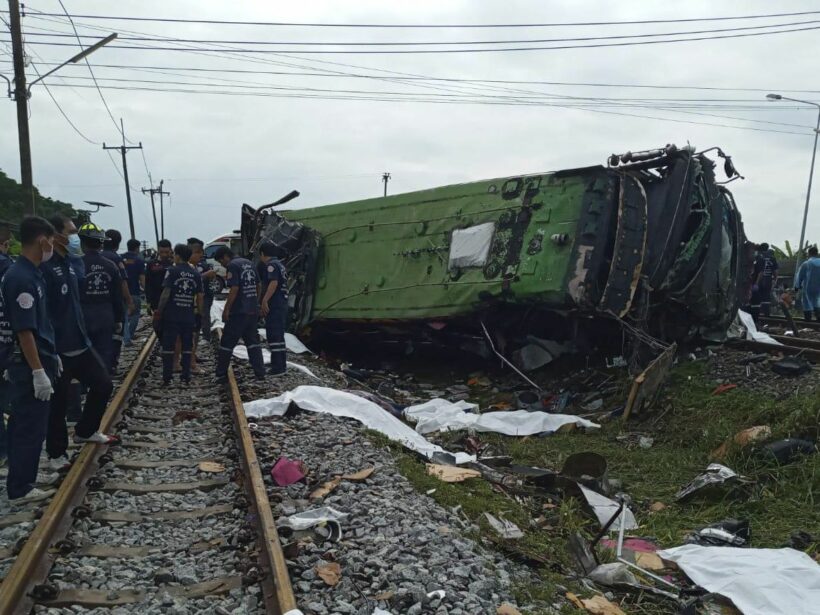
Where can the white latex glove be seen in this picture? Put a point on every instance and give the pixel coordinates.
(42, 385)
(59, 366)
(6, 376)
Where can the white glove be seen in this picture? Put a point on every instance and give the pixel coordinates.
(6, 376)
(59, 366)
(42, 385)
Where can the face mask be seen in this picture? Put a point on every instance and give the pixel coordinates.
(74, 245)
(47, 254)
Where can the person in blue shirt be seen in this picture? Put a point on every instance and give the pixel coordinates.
(808, 280)
(6, 343)
(35, 364)
(135, 272)
(113, 238)
(208, 274)
(80, 362)
(181, 296)
(100, 294)
(240, 314)
(274, 305)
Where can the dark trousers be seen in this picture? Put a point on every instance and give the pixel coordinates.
(93, 376)
(170, 332)
(275, 325)
(102, 340)
(26, 430)
(240, 326)
(206, 318)
(765, 290)
(5, 392)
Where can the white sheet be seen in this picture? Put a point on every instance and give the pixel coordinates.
(470, 247)
(339, 403)
(292, 342)
(604, 508)
(752, 334)
(757, 581)
(443, 415)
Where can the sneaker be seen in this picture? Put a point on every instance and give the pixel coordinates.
(282, 373)
(97, 438)
(35, 495)
(58, 464)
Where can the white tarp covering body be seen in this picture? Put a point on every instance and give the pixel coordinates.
(757, 581)
(443, 415)
(325, 400)
(470, 247)
(752, 334)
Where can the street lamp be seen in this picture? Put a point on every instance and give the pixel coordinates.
(776, 97)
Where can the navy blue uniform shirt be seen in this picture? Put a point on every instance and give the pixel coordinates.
(24, 297)
(117, 260)
(185, 283)
(102, 285)
(274, 271)
(203, 267)
(5, 263)
(63, 294)
(242, 274)
(154, 275)
(134, 268)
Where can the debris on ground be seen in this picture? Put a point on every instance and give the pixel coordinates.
(330, 573)
(506, 529)
(788, 450)
(791, 366)
(716, 482)
(729, 532)
(288, 471)
(451, 474)
(741, 440)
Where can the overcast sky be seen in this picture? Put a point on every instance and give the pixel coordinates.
(216, 152)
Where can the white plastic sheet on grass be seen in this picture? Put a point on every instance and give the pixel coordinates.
(752, 334)
(757, 581)
(443, 415)
(325, 400)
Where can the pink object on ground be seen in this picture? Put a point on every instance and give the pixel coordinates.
(287, 471)
(638, 545)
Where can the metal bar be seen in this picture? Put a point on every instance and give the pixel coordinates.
(505, 360)
(777, 320)
(282, 601)
(809, 354)
(22, 574)
(799, 342)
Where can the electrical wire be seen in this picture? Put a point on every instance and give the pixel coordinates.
(88, 64)
(452, 51)
(377, 25)
(62, 112)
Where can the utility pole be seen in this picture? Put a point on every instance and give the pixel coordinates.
(162, 207)
(123, 149)
(153, 191)
(21, 98)
(385, 179)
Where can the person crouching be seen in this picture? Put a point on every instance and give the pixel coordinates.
(175, 314)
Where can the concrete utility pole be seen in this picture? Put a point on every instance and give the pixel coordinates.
(162, 207)
(152, 191)
(123, 150)
(21, 98)
(385, 179)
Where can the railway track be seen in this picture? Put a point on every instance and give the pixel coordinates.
(176, 519)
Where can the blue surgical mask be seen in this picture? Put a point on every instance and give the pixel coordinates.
(74, 245)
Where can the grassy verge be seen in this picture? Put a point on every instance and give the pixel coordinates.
(693, 423)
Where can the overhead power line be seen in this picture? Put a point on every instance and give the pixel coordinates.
(447, 51)
(451, 25)
(434, 43)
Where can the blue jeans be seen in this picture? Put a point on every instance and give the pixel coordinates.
(132, 321)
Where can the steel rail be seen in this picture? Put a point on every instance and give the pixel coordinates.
(780, 321)
(278, 596)
(810, 354)
(31, 565)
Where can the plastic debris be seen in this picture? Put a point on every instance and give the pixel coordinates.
(451, 474)
(740, 440)
(311, 518)
(605, 509)
(717, 480)
(757, 581)
(788, 450)
(791, 366)
(719, 390)
(506, 529)
(729, 532)
(288, 471)
(613, 575)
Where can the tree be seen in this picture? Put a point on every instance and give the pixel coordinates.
(12, 203)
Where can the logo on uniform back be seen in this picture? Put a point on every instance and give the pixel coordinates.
(64, 289)
(25, 300)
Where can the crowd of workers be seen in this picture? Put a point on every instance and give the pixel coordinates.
(765, 288)
(70, 301)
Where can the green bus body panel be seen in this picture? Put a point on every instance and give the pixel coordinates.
(387, 258)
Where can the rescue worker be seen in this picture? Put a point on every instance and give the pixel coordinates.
(208, 274)
(80, 362)
(155, 273)
(135, 270)
(808, 280)
(6, 343)
(34, 365)
(764, 276)
(240, 314)
(274, 306)
(181, 295)
(113, 238)
(100, 294)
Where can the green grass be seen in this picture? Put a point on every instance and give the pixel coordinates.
(687, 424)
